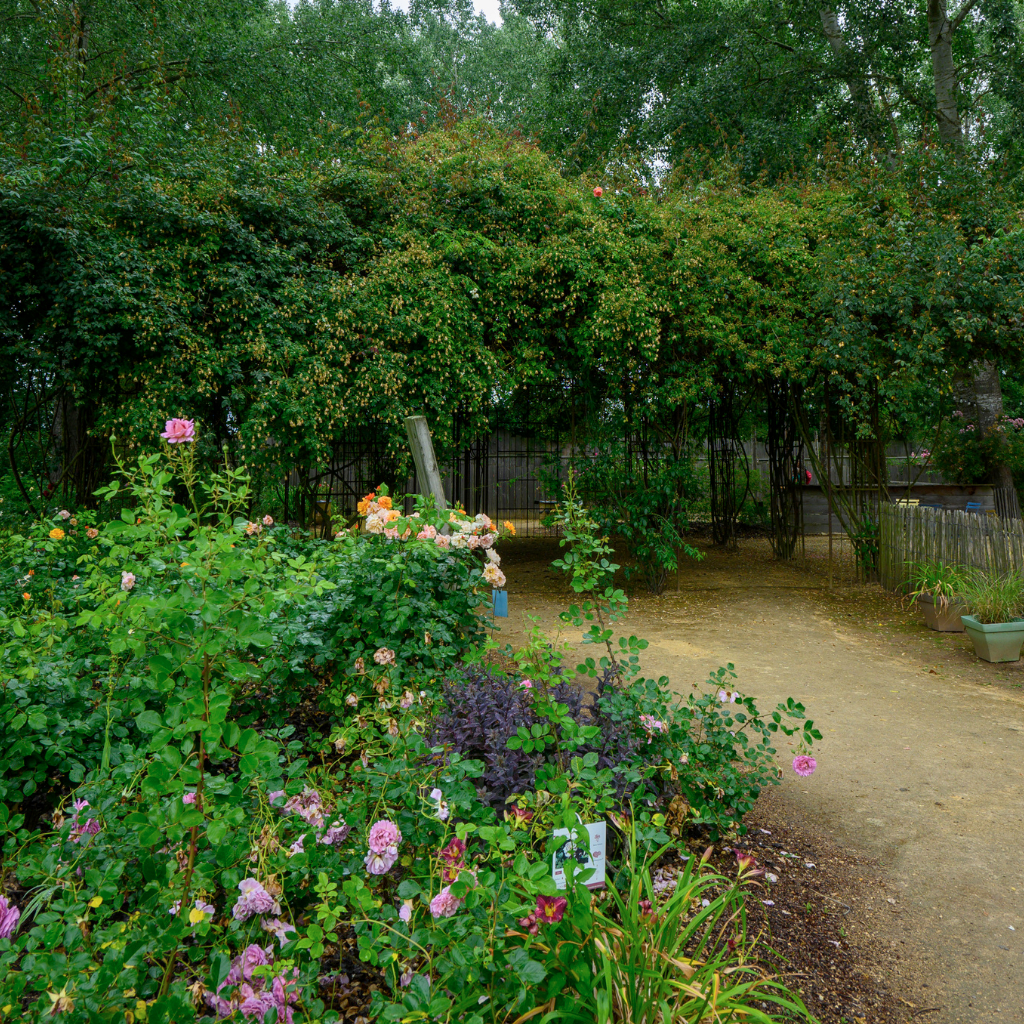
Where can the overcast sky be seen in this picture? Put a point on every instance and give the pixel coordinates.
(488, 8)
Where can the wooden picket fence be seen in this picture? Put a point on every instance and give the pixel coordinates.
(913, 534)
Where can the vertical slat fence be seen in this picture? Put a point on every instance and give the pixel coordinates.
(914, 534)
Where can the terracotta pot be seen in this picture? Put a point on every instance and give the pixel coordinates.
(944, 618)
(996, 641)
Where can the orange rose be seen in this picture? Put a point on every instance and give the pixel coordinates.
(384, 501)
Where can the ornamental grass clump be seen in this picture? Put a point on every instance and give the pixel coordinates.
(992, 597)
(941, 581)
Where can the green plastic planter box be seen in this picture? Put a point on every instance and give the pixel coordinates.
(995, 641)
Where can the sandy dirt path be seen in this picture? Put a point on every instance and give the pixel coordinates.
(922, 761)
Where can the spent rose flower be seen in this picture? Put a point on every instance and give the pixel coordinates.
(803, 764)
(64, 514)
(728, 696)
(384, 656)
(383, 833)
(278, 928)
(406, 979)
(92, 533)
(445, 903)
(336, 834)
(254, 899)
(178, 431)
(9, 916)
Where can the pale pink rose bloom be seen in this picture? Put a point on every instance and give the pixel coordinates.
(405, 914)
(442, 541)
(444, 904)
(64, 514)
(188, 798)
(474, 543)
(268, 520)
(391, 533)
(127, 580)
(381, 863)
(728, 696)
(427, 533)
(526, 684)
(176, 431)
(488, 539)
(804, 765)
(383, 833)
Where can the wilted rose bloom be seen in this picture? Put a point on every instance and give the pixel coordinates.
(268, 520)
(494, 575)
(381, 863)
(335, 835)
(277, 794)
(803, 764)
(9, 916)
(127, 580)
(252, 529)
(176, 431)
(296, 847)
(444, 904)
(384, 656)
(406, 979)
(551, 908)
(383, 833)
(278, 928)
(493, 557)
(254, 899)
(405, 912)
(308, 805)
(407, 701)
(92, 533)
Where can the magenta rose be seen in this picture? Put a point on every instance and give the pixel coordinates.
(804, 764)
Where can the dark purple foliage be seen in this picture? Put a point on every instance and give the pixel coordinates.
(481, 709)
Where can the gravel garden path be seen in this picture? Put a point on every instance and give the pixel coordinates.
(921, 768)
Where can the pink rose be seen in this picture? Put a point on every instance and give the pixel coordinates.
(804, 765)
(444, 904)
(383, 834)
(268, 520)
(381, 863)
(188, 798)
(598, 192)
(176, 431)
(442, 541)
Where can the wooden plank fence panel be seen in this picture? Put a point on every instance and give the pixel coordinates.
(910, 534)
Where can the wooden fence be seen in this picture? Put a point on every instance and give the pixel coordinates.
(913, 534)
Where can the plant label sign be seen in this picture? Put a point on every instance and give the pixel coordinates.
(576, 849)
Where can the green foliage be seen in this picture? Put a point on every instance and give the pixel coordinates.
(938, 580)
(993, 597)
